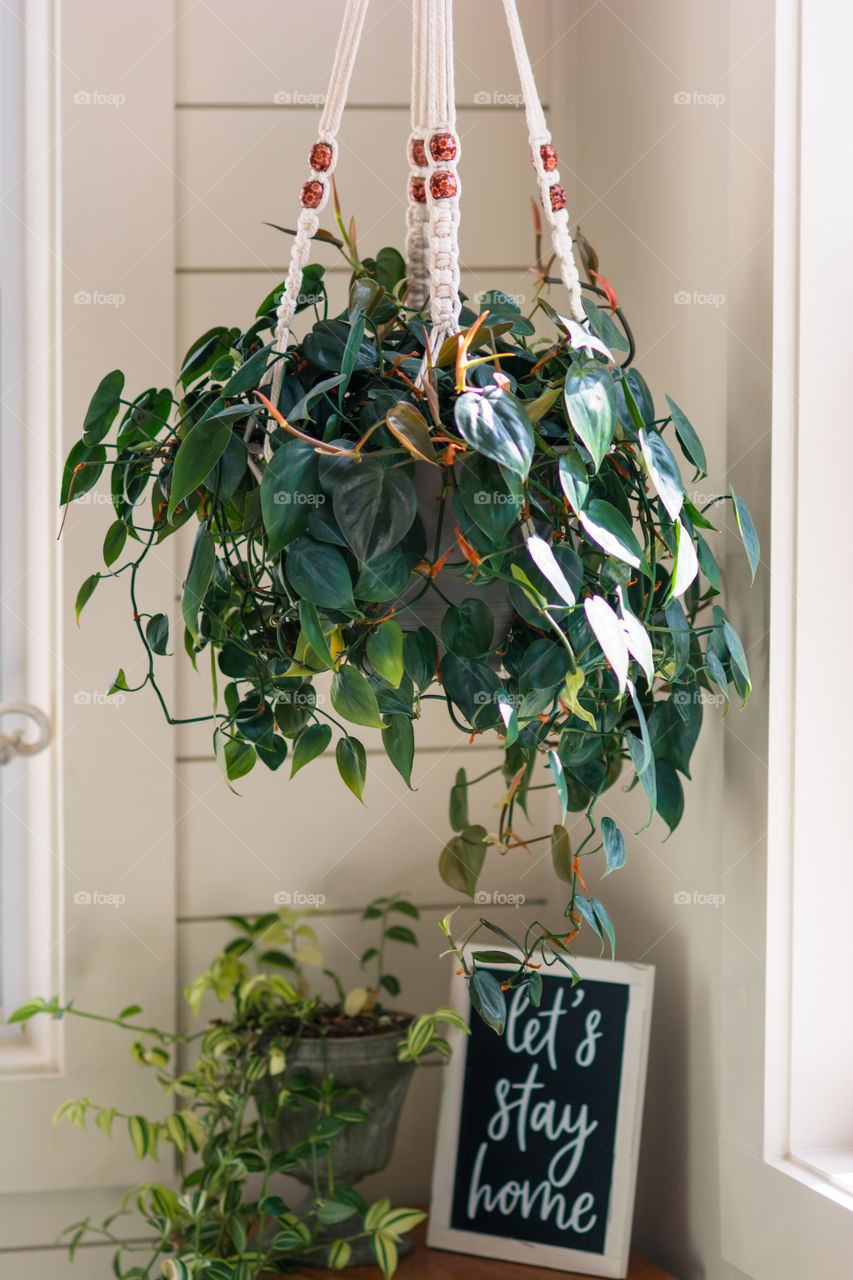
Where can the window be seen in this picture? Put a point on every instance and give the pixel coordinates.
(787, 1144)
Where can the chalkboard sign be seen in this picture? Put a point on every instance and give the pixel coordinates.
(539, 1129)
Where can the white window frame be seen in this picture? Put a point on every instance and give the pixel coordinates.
(29, 887)
(785, 1214)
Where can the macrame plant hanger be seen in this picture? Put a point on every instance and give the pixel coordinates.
(434, 188)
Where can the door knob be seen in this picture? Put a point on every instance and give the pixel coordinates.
(17, 743)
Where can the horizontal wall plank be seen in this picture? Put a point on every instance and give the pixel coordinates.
(238, 169)
(310, 835)
(250, 53)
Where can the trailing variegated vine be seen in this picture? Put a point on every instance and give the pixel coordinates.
(581, 595)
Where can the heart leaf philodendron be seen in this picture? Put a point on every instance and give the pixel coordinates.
(559, 491)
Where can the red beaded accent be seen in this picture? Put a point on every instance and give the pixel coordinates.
(442, 147)
(417, 190)
(442, 185)
(320, 158)
(558, 197)
(311, 195)
(548, 156)
(417, 152)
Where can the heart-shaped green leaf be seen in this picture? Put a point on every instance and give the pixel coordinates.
(591, 406)
(319, 573)
(495, 424)
(353, 698)
(374, 507)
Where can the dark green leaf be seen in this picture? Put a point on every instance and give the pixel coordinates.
(114, 541)
(398, 739)
(561, 854)
(468, 628)
(354, 699)
(272, 753)
(747, 532)
(85, 594)
(157, 633)
(198, 577)
(664, 472)
(574, 479)
(614, 845)
(311, 743)
(309, 620)
(82, 470)
(610, 530)
(103, 408)
(198, 454)
(461, 860)
(494, 423)
(319, 573)
(491, 496)
(385, 651)
(687, 437)
(670, 794)
(459, 802)
(374, 508)
(488, 999)
(352, 765)
(591, 406)
(420, 656)
(289, 492)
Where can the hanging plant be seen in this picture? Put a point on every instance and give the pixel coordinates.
(462, 510)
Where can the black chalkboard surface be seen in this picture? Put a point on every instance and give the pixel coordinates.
(539, 1128)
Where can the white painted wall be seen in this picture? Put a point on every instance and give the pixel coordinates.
(675, 197)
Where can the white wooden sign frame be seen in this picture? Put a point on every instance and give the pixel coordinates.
(613, 1262)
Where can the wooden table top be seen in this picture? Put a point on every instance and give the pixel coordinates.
(438, 1264)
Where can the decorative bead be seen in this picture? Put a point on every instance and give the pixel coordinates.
(558, 197)
(311, 195)
(417, 152)
(442, 147)
(417, 190)
(442, 185)
(548, 156)
(320, 158)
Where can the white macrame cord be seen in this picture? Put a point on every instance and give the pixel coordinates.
(315, 192)
(434, 190)
(544, 158)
